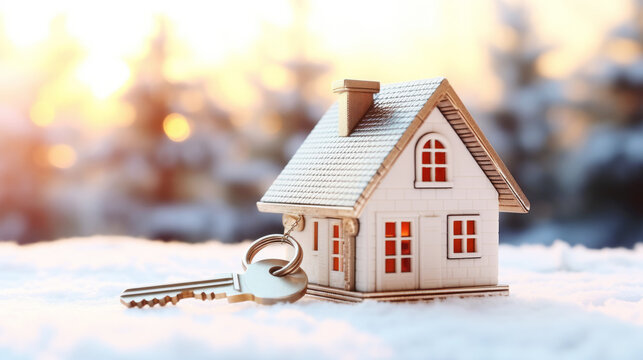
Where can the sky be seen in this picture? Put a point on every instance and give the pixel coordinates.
(70, 71)
(381, 40)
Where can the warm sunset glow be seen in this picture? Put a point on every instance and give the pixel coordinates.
(275, 77)
(111, 40)
(234, 89)
(42, 113)
(26, 27)
(272, 124)
(176, 127)
(554, 64)
(61, 156)
(192, 100)
(127, 114)
(624, 51)
(103, 75)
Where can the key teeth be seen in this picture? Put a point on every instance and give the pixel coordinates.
(162, 302)
(140, 301)
(205, 296)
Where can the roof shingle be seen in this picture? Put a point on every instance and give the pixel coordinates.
(332, 175)
(330, 170)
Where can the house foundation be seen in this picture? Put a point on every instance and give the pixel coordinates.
(345, 296)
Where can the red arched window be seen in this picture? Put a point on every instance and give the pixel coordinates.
(432, 162)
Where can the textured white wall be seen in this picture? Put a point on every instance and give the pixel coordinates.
(315, 263)
(472, 193)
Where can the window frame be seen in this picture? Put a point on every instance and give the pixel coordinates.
(477, 236)
(419, 149)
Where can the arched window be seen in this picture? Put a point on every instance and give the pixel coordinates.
(432, 162)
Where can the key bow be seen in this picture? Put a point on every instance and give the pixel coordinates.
(259, 244)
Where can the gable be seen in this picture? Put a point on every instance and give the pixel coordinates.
(463, 170)
(331, 175)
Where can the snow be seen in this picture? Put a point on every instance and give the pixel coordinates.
(60, 300)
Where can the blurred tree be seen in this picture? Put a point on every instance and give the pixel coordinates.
(24, 175)
(524, 136)
(171, 173)
(294, 109)
(604, 177)
(287, 114)
(28, 155)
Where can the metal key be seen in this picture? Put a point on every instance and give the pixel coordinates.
(257, 284)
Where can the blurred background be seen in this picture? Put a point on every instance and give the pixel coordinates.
(169, 120)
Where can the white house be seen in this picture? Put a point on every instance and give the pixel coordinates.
(400, 193)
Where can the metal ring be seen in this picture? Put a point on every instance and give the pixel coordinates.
(268, 240)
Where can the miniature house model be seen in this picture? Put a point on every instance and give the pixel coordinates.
(400, 193)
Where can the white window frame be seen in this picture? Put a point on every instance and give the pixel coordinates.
(419, 149)
(464, 236)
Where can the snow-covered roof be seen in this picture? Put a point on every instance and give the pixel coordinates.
(334, 175)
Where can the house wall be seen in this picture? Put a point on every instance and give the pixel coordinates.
(471, 193)
(315, 263)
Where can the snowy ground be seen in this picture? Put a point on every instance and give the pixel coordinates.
(60, 300)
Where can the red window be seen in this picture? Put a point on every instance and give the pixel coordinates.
(463, 236)
(426, 174)
(471, 227)
(390, 229)
(337, 248)
(406, 247)
(390, 247)
(457, 227)
(315, 235)
(390, 265)
(426, 157)
(398, 243)
(457, 245)
(406, 229)
(471, 245)
(440, 174)
(434, 161)
(405, 265)
(440, 158)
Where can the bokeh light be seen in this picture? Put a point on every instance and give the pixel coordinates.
(176, 127)
(42, 113)
(103, 75)
(61, 156)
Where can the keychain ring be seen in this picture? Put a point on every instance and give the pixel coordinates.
(259, 244)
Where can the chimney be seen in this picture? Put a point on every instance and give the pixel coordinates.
(356, 97)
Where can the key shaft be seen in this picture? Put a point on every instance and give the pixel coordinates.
(257, 284)
(220, 286)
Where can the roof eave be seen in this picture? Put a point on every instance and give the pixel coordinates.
(521, 203)
(304, 209)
